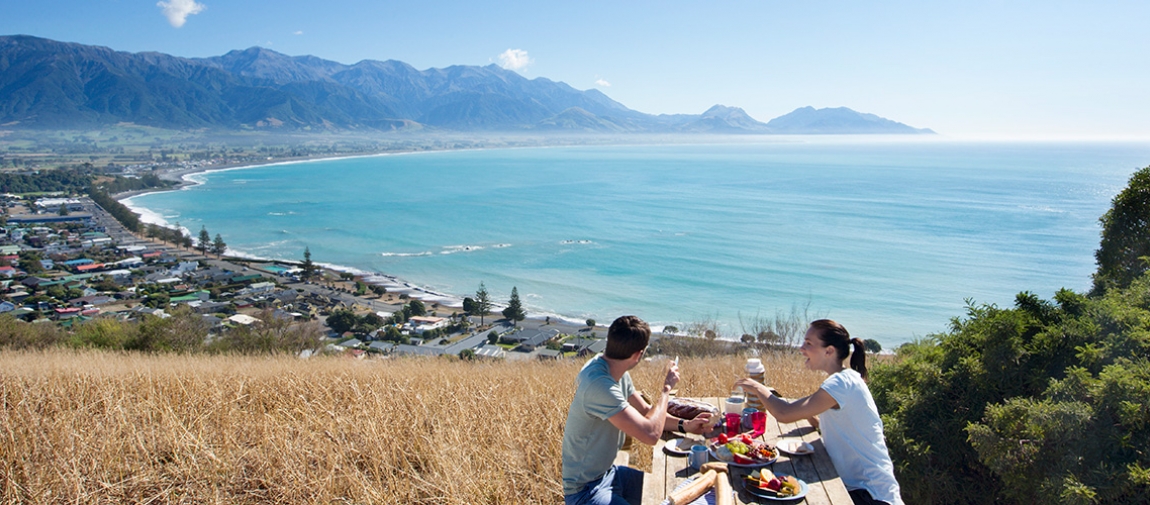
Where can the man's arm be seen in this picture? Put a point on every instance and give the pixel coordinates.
(647, 426)
(670, 422)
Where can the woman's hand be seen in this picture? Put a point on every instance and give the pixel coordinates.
(753, 386)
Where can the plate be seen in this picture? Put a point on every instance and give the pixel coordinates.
(680, 446)
(795, 447)
(756, 464)
(770, 495)
(708, 498)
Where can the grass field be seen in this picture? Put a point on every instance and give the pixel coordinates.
(90, 427)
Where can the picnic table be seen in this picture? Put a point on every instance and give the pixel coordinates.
(825, 487)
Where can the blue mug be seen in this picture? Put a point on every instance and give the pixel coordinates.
(698, 456)
(747, 424)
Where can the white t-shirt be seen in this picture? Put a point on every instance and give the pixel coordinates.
(854, 438)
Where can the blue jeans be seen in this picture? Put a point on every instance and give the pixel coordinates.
(621, 485)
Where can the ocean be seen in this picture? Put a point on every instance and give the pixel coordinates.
(890, 236)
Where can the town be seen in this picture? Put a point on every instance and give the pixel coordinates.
(67, 261)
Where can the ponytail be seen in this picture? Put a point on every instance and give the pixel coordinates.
(834, 334)
(858, 357)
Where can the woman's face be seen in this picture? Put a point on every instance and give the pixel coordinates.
(813, 349)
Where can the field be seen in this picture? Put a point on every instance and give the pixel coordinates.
(89, 427)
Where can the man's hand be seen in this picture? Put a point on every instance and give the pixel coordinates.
(672, 377)
(699, 424)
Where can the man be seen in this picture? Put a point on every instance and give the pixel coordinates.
(605, 408)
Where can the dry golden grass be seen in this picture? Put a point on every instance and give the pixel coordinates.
(90, 427)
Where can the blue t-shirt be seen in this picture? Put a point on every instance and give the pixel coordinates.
(854, 438)
(590, 441)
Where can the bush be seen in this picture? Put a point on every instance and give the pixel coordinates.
(1041, 403)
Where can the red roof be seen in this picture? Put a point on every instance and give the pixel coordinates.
(152, 254)
(6, 269)
(71, 310)
(84, 268)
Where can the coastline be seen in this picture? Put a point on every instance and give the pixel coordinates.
(393, 284)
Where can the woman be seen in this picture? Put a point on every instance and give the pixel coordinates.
(849, 421)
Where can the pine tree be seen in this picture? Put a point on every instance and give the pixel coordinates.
(218, 245)
(307, 266)
(482, 302)
(514, 310)
(205, 242)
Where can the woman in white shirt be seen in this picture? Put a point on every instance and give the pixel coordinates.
(848, 419)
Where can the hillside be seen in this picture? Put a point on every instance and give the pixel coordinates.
(46, 84)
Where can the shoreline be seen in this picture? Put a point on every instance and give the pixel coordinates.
(394, 284)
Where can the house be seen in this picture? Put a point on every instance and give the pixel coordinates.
(90, 300)
(7, 271)
(597, 347)
(532, 338)
(9, 250)
(549, 354)
(79, 261)
(243, 319)
(577, 344)
(355, 342)
(420, 324)
(382, 347)
(472, 342)
(66, 313)
(94, 267)
(416, 350)
(7, 306)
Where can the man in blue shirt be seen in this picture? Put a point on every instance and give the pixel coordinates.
(606, 407)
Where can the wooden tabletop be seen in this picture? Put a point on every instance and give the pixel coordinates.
(825, 487)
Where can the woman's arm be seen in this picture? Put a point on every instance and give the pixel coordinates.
(789, 412)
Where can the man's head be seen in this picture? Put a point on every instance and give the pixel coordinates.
(627, 336)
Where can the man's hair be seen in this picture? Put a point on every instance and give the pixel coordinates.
(627, 336)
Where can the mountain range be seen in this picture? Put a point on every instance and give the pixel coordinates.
(49, 84)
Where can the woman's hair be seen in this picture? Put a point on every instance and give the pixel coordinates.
(832, 333)
(627, 336)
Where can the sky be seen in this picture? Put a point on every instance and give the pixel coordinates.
(974, 69)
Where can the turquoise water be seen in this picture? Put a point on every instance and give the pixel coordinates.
(888, 237)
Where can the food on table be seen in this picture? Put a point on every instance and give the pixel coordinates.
(688, 409)
(723, 493)
(781, 485)
(694, 490)
(742, 449)
(714, 465)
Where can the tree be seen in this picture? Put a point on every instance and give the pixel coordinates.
(307, 266)
(467, 354)
(514, 310)
(205, 242)
(482, 302)
(378, 290)
(469, 305)
(591, 323)
(417, 308)
(63, 209)
(342, 320)
(872, 346)
(1125, 246)
(218, 246)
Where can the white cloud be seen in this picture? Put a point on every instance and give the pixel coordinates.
(514, 59)
(298, 32)
(603, 83)
(177, 11)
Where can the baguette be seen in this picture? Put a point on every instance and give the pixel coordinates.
(724, 495)
(694, 490)
(717, 466)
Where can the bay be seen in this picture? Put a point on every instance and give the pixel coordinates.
(888, 236)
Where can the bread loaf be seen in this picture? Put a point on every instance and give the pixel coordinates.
(689, 409)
